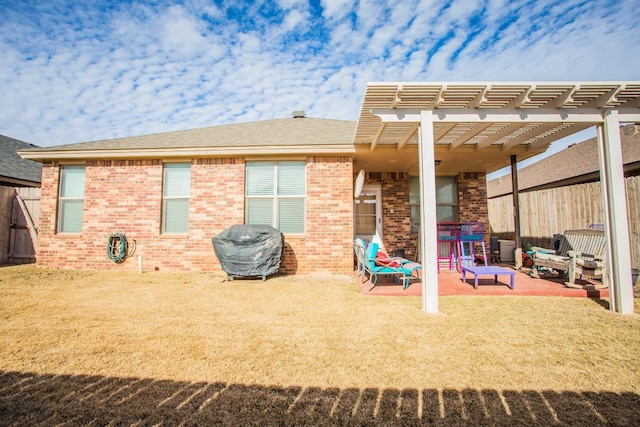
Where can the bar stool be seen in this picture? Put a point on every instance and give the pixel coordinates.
(447, 241)
(471, 233)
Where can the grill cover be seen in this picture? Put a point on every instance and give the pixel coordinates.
(249, 250)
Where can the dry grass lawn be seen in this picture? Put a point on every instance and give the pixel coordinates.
(292, 340)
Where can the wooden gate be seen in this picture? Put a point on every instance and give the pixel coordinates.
(19, 219)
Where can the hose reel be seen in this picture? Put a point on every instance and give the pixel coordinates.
(117, 247)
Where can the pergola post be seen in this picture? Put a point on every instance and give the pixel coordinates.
(428, 219)
(516, 210)
(615, 208)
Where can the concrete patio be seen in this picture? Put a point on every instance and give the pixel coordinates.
(450, 283)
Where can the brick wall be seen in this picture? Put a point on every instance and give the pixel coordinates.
(327, 245)
(126, 196)
(472, 197)
(472, 200)
(49, 248)
(396, 224)
(396, 220)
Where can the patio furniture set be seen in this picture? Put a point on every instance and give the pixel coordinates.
(458, 240)
(457, 244)
(580, 254)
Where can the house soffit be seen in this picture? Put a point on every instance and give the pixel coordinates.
(479, 126)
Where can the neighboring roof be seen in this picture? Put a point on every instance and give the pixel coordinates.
(478, 126)
(14, 170)
(288, 136)
(576, 164)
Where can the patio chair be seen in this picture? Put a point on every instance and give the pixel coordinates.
(471, 233)
(447, 239)
(580, 253)
(359, 248)
(375, 263)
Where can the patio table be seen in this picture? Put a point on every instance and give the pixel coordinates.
(486, 271)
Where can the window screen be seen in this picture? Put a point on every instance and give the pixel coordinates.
(175, 198)
(446, 200)
(275, 195)
(71, 199)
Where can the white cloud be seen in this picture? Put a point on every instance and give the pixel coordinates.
(336, 9)
(180, 32)
(74, 72)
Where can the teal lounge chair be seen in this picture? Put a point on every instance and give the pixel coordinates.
(369, 264)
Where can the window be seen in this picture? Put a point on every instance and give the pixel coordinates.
(446, 200)
(175, 198)
(71, 199)
(275, 195)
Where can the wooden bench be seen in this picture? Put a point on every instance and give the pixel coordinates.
(581, 253)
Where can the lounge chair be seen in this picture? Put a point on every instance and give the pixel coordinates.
(374, 263)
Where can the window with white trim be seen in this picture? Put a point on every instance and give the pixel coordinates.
(275, 195)
(71, 199)
(175, 198)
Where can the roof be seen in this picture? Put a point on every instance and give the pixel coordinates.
(289, 136)
(576, 164)
(14, 170)
(479, 126)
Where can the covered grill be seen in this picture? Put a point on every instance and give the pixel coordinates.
(249, 250)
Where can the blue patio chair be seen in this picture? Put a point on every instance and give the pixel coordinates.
(471, 233)
(375, 266)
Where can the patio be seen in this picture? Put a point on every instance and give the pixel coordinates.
(450, 283)
(462, 129)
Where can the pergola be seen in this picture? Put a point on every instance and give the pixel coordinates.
(483, 127)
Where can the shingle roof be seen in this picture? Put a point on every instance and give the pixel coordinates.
(290, 131)
(578, 162)
(14, 169)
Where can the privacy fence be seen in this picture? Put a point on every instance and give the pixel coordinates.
(19, 218)
(544, 213)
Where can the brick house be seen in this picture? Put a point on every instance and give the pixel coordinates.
(123, 191)
(132, 185)
(425, 149)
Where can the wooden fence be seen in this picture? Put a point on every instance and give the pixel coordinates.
(19, 219)
(544, 213)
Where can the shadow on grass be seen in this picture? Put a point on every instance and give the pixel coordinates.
(31, 399)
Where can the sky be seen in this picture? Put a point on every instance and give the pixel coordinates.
(77, 71)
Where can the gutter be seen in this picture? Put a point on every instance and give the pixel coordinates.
(190, 152)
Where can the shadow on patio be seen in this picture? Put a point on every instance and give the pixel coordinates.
(450, 283)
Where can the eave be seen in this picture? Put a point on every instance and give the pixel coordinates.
(189, 152)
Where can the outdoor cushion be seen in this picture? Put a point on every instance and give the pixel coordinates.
(551, 257)
(588, 263)
(383, 259)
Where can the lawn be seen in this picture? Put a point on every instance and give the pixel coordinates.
(151, 348)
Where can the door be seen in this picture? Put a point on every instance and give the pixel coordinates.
(368, 213)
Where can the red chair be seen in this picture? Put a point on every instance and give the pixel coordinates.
(447, 241)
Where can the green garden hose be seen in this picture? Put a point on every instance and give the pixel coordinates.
(117, 247)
